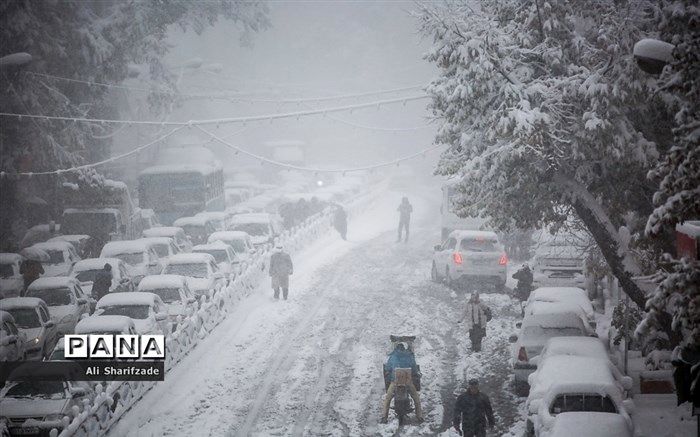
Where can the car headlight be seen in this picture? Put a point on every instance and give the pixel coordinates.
(36, 340)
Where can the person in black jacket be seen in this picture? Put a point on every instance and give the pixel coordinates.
(102, 282)
(472, 411)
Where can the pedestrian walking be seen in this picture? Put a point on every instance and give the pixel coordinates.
(473, 411)
(340, 221)
(102, 282)
(280, 269)
(405, 209)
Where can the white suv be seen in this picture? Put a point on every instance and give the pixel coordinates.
(468, 256)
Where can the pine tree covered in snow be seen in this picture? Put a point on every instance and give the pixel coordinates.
(547, 115)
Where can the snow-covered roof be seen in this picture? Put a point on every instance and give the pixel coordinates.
(191, 221)
(577, 346)
(103, 323)
(565, 371)
(74, 238)
(44, 283)
(53, 245)
(690, 228)
(118, 247)
(95, 264)
(179, 169)
(127, 298)
(154, 282)
(162, 231)
(539, 307)
(34, 253)
(559, 320)
(571, 295)
(254, 217)
(589, 424)
(9, 258)
(156, 240)
(213, 215)
(487, 235)
(214, 245)
(227, 235)
(10, 303)
(190, 258)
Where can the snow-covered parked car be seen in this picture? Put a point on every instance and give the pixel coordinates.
(227, 260)
(240, 242)
(588, 424)
(62, 256)
(147, 311)
(174, 292)
(573, 296)
(218, 218)
(137, 254)
(35, 407)
(533, 335)
(558, 263)
(106, 325)
(177, 234)
(466, 256)
(85, 271)
(64, 298)
(197, 228)
(263, 228)
(11, 282)
(32, 318)
(79, 241)
(575, 384)
(164, 246)
(12, 340)
(200, 270)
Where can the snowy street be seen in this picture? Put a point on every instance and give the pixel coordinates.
(312, 365)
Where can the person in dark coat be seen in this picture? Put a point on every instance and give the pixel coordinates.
(30, 270)
(102, 282)
(405, 209)
(340, 221)
(280, 269)
(472, 411)
(524, 286)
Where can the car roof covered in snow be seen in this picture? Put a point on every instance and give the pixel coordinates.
(212, 215)
(575, 346)
(20, 302)
(539, 307)
(69, 238)
(119, 247)
(162, 231)
(180, 168)
(227, 235)
(563, 370)
(589, 424)
(253, 217)
(9, 258)
(190, 258)
(154, 282)
(474, 235)
(45, 283)
(53, 245)
(214, 245)
(192, 221)
(104, 323)
(95, 264)
(156, 240)
(558, 320)
(562, 294)
(127, 298)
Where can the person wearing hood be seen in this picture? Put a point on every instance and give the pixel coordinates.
(405, 209)
(473, 412)
(280, 269)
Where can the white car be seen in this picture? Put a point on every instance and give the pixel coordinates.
(164, 246)
(197, 228)
(139, 255)
(12, 341)
(200, 270)
(576, 384)
(534, 333)
(147, 311)
(62, 256)
(218, 218)
(558, 263)
(177, 234)
(564, 295)
(32, 318)
(263, 228)
(116, 325)
(65, 299)
(11, 282)
(228, 261)
(174, 292)
(79, 241)
(240, 242)
(85, 271)
(466, 256)
(588, 424)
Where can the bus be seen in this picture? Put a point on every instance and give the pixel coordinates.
(175, 191)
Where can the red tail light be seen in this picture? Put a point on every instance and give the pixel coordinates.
(457, 257)
(503, 260)
(522, 354)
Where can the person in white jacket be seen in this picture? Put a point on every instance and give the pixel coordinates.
(476, 316)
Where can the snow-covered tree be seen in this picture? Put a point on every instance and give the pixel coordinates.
(547, 116)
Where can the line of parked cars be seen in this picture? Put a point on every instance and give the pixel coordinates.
(564, 369)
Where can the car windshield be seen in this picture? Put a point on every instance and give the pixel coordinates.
(52, 296)
(87, 275)
(194, 270)
(478, 245)
(133, 311)
(25, 318)
(167, 295)
(6, 271)
(564, 331)
(256, 229)
(132, 259)
(162, 250)
(41, 389)
(583, 402)
(218, 254)
(55, 257)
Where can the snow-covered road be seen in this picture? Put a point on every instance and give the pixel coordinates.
(312, 365)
